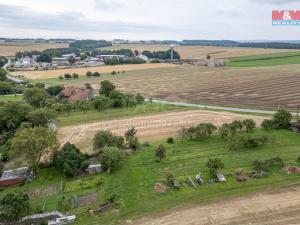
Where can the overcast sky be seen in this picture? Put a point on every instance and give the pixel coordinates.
(145, 19)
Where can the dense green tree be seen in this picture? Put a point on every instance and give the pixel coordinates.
(101, 102)
(107, 139)
(71, 60)
(12, 114)
(214, 165)
(249, 124)
(83, 105)
(139, 98)
(34, 143)
(3, 61)
(75, 75)
(282, 119)
(40, 117)
(36, 96)
(267, 124)
(96, 74)
(6, 88)
(14, 206)
(55, 90)
(106, 88)
(89, 74)
(111, 159)
(67, 76)
(118, 98)
(69, 160)
(161, 152)
(131, 139)
(3, 74)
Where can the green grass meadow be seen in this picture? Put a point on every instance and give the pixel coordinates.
(78, 117)
(266, 60)
(134, 182)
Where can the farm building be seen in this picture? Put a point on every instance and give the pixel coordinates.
(14, 177)
(60, 61)
(143, 57)
(103, 57)
(97, 168)
(76, 93)
(25, 62)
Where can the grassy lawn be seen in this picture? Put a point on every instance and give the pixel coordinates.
(133, 183)
(12, 98)
(266, 60)
(76, 118)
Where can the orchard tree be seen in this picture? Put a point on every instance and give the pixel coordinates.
(282, 119)
(111, 159)
(101, 102)
(214, 165)
(107, 139)
(12, 114)
(106, 88)
(69, 160)
(13, 206)
(249, 124)
(3, 74)
(34, 143)
(55, 90)
(40, 117)
(36, 96)
(161, 152)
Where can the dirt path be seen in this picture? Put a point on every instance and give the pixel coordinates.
(281, 207)
(150, 127)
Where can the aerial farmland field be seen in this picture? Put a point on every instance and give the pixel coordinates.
(200, 52)
(82, 71)
(9, 49)
(254, 87)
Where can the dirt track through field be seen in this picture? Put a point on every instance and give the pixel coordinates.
(281, 207)
(152, 127)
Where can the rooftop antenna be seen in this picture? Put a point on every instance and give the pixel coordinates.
(172, 52)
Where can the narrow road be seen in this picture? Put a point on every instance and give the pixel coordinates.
(15, 79)
(230, 109)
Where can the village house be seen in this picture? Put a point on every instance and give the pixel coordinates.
(144, 57)
(25, 62)
(74, 94)
(14, 177)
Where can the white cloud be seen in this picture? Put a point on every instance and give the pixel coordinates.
(144, 19)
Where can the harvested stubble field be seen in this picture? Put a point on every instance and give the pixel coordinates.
(9, 49)
(200, 52)
(44, 74)
(261, 87)
(152, 127)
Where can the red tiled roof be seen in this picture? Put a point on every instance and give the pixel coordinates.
(74, 94)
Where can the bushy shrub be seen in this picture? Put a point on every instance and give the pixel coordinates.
(267, 124)
(69, 160)
(267, 165)
(107, 139)
(249, 141)
(214, 165)
(170, 140)
(282, 119)
(111, 159)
